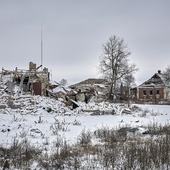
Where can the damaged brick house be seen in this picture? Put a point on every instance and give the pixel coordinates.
(153, 90)
(94, 88)
(32, 80)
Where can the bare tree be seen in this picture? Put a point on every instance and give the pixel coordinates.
(166, 75)
(113, 64)
(128, 82)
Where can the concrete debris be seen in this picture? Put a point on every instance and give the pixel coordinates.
(77, 93)
(23, 81)
(15, 85)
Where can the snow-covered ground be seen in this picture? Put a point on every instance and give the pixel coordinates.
(44, 123)
(41, 119)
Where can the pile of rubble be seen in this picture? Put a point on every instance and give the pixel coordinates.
(20, 89)
(33, 81)
(72, 95)
(69, 96)
(59, 99)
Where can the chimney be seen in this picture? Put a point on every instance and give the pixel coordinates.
(159, 71)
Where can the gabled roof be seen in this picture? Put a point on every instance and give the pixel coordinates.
(155, 80)
(90, 81)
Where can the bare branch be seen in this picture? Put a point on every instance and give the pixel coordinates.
(114, 61)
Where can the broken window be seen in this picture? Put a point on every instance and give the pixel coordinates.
(150, 92)
(157, 92)
(144, 92)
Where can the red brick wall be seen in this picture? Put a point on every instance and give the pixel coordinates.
(154, 95)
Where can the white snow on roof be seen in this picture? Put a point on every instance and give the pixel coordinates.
(58, 89)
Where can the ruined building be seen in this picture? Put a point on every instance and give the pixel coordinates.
(32, 80)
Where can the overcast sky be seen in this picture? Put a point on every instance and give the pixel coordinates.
(75, 30)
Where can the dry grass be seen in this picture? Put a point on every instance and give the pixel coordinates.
(147, 151)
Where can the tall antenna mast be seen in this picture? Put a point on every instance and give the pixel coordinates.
(41, 48)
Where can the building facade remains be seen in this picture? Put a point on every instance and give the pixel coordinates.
(31, 80)
(154, 90)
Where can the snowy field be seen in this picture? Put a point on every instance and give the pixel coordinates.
(41, 120)
(38, 124)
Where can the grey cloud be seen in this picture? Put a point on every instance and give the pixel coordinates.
(74, 31)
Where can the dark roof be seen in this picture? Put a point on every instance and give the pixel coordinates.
(155, 80)
(90, 81)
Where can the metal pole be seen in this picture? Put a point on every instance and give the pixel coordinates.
(41, 47)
